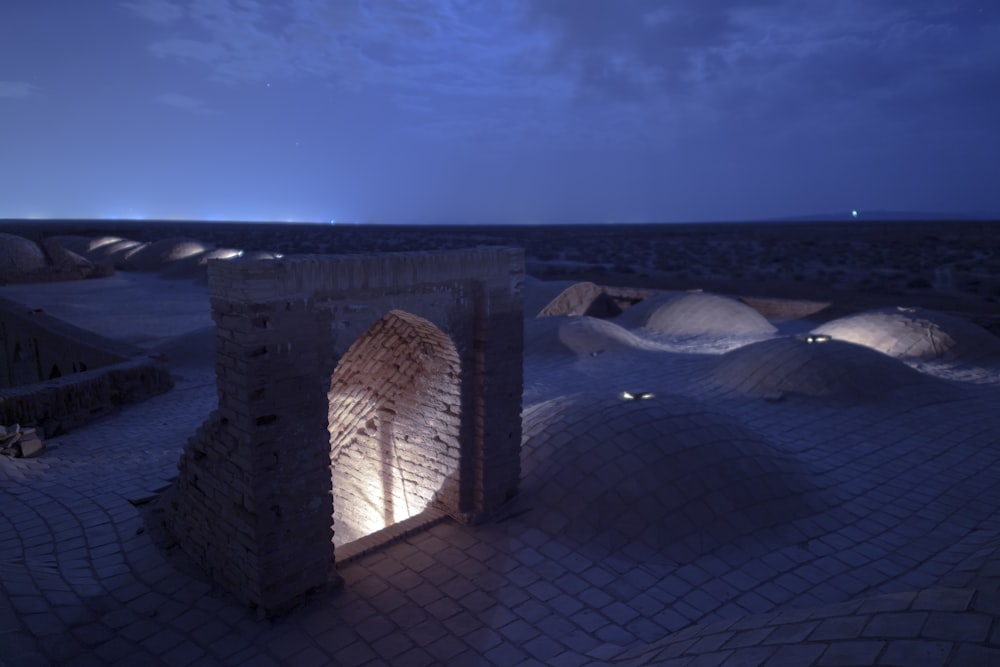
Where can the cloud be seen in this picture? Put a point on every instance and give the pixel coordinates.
(16, 90)
(185, 103)
(601, 67)
(471, 66)
(429, 46)
(772, 64)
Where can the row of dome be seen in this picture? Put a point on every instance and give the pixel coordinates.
(23, 258)
(909, 334)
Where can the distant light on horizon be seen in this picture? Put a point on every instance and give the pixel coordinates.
(130, 214)
(854, 213)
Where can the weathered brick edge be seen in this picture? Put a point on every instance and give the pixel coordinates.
(117, 373)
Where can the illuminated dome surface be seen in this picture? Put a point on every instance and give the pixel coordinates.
(695, 314)
(832, 368)
(664, 471)
(177, 258)
(917, 335)
(111, 250)
(159, 255)
(194, 265)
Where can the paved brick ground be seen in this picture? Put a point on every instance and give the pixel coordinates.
(895, 561)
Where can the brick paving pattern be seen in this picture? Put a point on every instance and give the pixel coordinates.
(637, 538)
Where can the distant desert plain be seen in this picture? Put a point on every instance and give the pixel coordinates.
(944, 265)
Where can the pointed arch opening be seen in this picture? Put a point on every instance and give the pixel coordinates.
(394, 420)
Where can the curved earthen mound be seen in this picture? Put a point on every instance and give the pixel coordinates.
(159, 255)
(537, 294)
(20, 257)
(584, 298)
(258, 254)
(194, 266)
(828, 368)
(23, 260)
(66, 262)
(578, 336)
(695, 314)
(81, 245)
(113, 251)
(176, 258)
(663, 471)
(917, 335)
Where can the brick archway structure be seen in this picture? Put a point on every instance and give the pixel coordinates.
(253, 500)
(395, 426)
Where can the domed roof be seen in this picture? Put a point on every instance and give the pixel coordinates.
(112, 250)
(578, 336)
(823, 368)
(695, 314)
(584, 298)
(65, 259)
(259, 254)
(537, 294)
(81, 245)
(195, 265)
(916, 334)
(160, 254)
(20, 256)
(664, 471)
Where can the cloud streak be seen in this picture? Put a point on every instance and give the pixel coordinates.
(446, 47)
(771, 48)
(17, 90)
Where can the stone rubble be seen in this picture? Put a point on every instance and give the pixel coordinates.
(20, 442)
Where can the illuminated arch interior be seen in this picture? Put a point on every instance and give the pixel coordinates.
(394, 406)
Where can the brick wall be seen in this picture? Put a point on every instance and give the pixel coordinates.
(55, 376)
(427, 403)
(36, 347)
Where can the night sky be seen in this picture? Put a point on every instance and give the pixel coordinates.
(520, 111)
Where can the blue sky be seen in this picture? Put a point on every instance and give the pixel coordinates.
(497, 110)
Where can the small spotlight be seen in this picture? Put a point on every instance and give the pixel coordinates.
(817, 338)
(638, 396)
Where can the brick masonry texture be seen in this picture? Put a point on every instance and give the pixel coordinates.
(394, 420)
(431, 345)
(56, 376)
